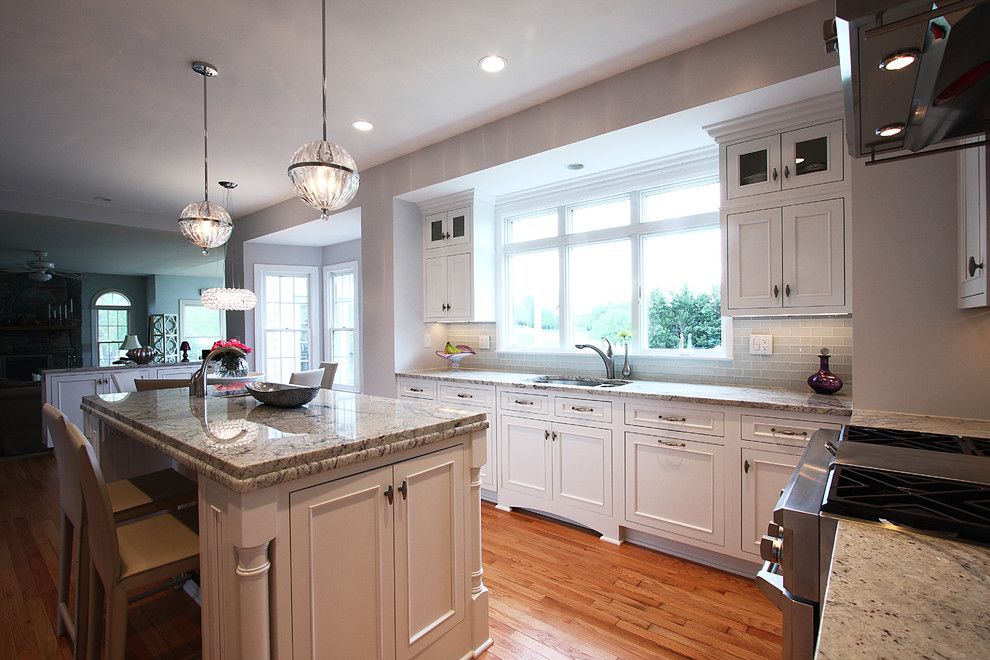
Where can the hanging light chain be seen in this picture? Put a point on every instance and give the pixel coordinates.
(323, 26)
(206, 150)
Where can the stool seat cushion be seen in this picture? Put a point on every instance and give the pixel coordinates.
(149, 493)
(158, 547)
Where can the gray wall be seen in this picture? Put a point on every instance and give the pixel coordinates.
(341, 252)
(165, 291)
(132, 286)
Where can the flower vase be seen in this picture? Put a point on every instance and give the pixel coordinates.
(824, 381)
(232, 366)
(626, 369)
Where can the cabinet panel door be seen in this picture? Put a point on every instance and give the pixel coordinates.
(752, 167)
(459, 284)
(973, 220)
(764, 475)
(676, 486)
(811, 156)
(435, 230)
(123, 380)
(342, 569)
(70, 389)
(431, 589)
(582, 460)
(525, 462)
(178, 371)
(435, 288)
(488, 470)
(459, 227)
(754, 259)
(814, 254)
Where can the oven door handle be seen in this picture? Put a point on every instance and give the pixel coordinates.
(771, 584)
(800, 620)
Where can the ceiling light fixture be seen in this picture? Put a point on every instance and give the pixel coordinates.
(228, 298)
(206, 224)
(899, 60)
(576, 166)
(492, 63)
(890, 130)
(323, 174)
(363, 125)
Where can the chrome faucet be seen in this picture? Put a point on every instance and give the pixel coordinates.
(197, 382)
(606, 356)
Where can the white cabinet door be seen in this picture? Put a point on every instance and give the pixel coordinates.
(764, 474)
(525, 462)
(435, 288)
(752, 167)
(177, 371)
(973, 220)
(811, 156)
(431, 591)
(814, 254)
(582, 459)
(676, 485)
(342, 569)
(754, 259)
(434, 230)
(458, 227)
(459, 285)
(488, 470)
(123, 380)
(69, 390)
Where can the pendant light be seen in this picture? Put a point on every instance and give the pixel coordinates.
(323, 174)
(231, 299)
(206, 224)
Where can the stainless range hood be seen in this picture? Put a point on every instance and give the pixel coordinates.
(942, 90)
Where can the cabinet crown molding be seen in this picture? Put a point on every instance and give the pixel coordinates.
(819, 109)
(463, 198)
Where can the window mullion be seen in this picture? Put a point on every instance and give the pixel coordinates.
(564, 323)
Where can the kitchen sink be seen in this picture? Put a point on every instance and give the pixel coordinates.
(580, 381)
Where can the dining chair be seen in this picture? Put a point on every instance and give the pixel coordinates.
(146, 384)
(329, 371)
(123, 381)
(311, 378)
(126, 557)
(129, 499)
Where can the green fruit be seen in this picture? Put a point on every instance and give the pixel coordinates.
(450, 349)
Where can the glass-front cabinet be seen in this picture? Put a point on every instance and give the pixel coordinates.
(753, 167)
(448, 228)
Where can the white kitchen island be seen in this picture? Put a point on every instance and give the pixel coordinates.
(349, 528)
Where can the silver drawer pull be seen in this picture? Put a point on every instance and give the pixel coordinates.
(787, 432)
(464, 396)
(673, 419)
(582, 409)
(668, 443)
(524, 403)
(415, 389)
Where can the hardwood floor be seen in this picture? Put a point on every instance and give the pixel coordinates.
(556, 592)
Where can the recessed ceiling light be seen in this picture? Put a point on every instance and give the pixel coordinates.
(899, 60)
(363, 125)
(102, 199)
(492, 63)
(890, 130)
(576, 166)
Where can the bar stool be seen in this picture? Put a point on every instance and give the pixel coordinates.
(125, 557)
(129, 498)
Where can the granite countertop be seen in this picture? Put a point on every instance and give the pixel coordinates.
(974, 428)
(897, 594)
(117, 367)
(732, 395)
(245, 445)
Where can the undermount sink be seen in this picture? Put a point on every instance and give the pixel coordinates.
(581, 382)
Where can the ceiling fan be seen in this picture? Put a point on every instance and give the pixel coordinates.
(40, 269)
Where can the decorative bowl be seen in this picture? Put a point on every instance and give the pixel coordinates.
(455, 358)
(142, 355)
(281, 394)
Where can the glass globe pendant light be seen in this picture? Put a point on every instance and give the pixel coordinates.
(323, 174)
(231, 299)
(205, 224)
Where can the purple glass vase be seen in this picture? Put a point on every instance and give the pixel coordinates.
(824, 381)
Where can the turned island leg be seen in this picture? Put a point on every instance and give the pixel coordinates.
(480, 636)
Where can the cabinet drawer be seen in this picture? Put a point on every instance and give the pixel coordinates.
(536, 404)
(586, 409)
(464, 395)
(676, 418)
(417, 388)
(781, 431)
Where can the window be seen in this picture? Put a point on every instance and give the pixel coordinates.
(200, 326)
(343, 318)
(646, 262)
(111, 318)
(285, 321)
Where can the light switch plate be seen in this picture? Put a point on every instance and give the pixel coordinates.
(427, 341)
(484, 341)
(761, 344)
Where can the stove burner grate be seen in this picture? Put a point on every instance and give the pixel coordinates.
(950, 444)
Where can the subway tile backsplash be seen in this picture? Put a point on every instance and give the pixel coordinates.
(796, 342)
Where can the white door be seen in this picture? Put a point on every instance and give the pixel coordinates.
(973, 221)
(342, 569)
(431, 590)
(676, 485)
(812, 156)
(69, 390)
(753, 267)
(459, 227)
(459, 285)
(764, 474)
(814, 247)
(582, 459)
(525, 460)
(435, 291)
(752, 167)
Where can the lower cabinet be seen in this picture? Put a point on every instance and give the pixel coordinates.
(764, 475)
(676, 485)
(378, 557)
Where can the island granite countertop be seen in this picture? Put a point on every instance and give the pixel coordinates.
(245, 445)
(899, 594)
(730, 395)
(974, 428)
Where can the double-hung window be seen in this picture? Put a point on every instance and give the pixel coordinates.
(286, 320)
(200, 326)
(643, 262)
(340, 284)
(111, 320)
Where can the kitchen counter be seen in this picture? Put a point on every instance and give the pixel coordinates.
(246, 446)
(748, 397)
(974, 428)
(897, 594)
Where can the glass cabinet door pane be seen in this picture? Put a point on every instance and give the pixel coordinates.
(436, 230)
(754, 167)
(811, 156)
(457, 226)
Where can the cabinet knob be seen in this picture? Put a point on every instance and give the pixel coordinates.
(776, 291)
(746, 467)
(553, 436)
(389, 494)
(787, 172)
(668, 443)
(546, 435)
(404, 489)
(775, 174)
(973, 266)
(787, 290)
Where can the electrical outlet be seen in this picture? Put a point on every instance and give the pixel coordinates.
(427, 341)
(761, 344)
(484, 341)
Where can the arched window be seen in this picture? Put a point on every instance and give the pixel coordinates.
(111, 321)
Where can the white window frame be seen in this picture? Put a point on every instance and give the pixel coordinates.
(95, 320)
(315, 339)
(196, 302)
(328, 271)
(692, 169)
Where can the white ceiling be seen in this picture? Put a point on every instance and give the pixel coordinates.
(97, 98)
(341, 227)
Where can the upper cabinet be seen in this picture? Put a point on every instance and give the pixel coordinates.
(973, 220)
(458, 259)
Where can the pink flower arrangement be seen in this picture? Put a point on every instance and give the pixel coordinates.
(230, 343)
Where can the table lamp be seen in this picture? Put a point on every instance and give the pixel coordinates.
(184, 347)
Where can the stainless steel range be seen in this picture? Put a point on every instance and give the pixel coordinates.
(933, 483)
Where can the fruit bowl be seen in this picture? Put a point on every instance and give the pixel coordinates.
(282, 395)
(463, 351)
